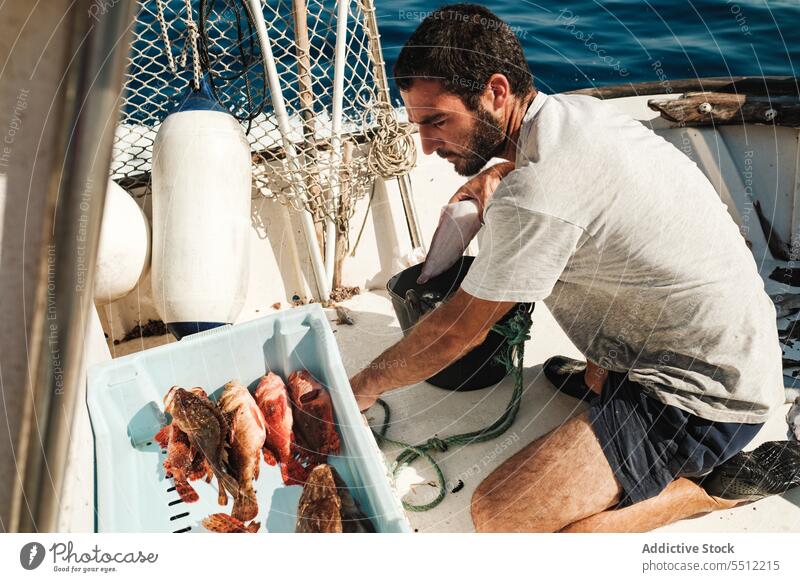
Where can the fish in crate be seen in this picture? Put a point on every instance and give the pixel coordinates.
(313, 416)
(206, 429)
(245, 440)
(273, 401)
(184, 463)
(292, 427)
(326, 505)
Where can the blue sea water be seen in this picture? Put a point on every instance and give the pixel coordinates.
(587, 43)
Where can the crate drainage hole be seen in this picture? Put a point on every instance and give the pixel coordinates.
(176, 502)
(179, 516)
(184, 530)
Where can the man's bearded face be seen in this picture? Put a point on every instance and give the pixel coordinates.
(478, 145)
(465, 137)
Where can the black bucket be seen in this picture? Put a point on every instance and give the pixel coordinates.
(477, 369)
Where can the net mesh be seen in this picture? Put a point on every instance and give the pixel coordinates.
(304, 182)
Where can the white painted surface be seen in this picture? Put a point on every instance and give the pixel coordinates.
(124, 252)
(201, 217)
(77, 506)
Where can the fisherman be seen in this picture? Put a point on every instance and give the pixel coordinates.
(629, 246)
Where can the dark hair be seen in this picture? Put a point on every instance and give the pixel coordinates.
(462, 45)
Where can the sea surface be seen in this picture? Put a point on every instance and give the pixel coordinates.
(574, 45)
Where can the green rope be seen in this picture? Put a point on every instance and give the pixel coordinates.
(517, 332)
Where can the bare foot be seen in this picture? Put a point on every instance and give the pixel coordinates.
(720, 503)
(595, 377)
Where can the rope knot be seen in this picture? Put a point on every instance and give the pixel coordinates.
(392, 152)
(517, 329)
(436, 443)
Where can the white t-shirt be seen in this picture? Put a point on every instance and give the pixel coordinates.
(637, 258)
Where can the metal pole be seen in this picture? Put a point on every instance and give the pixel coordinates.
(65, 289)
(309, 155)
(379, 68)
(340, 58)
(406, 195)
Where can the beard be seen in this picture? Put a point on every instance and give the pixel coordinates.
(485, 142)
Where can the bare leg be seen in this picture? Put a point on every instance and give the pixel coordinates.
(556, 480)
(563, 482)
(681, 499)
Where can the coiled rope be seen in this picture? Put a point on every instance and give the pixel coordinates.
(392, 151)
(517, 332)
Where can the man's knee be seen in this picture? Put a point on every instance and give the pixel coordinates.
(483, 509)
(556, 480)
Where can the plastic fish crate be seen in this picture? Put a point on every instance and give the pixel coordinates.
(125, 400)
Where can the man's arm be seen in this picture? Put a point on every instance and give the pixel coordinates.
(481, 187)
(439, 338)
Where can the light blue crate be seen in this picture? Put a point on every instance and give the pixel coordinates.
(125, 406)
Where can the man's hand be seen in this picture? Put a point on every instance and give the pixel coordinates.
(481, 187)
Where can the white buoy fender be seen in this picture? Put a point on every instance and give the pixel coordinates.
(201, 216)
(124, 249)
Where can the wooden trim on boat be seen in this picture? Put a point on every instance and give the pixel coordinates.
(772, 86)
(707, 108)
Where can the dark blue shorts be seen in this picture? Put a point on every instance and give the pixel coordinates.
(649, 444)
